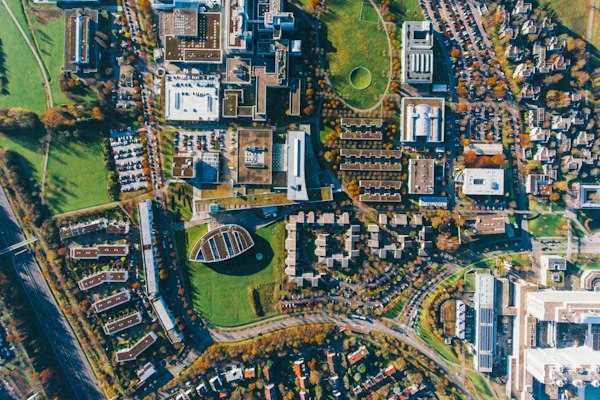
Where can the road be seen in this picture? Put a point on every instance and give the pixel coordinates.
(278, 323)
(54, 324)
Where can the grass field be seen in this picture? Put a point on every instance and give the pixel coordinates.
(368, 13)
(48, 28)
(547, 225)
(180, 199)
(29, 149)
(76, 175)
(574, 15)
(22, 78)
(221, 292)
(368, 48)
(411, 10)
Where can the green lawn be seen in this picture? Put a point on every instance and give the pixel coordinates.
(574, 15)
(480, 385)
(547, 225)
(22, 78)
(368, 13)
(49, 34)
(354, 43)
(411, 10)
(76, 176)
(30, 150)
(221, 292)
(180, 199)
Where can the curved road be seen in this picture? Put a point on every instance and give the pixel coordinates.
(279, 323)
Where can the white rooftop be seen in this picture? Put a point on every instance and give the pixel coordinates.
(192, 98)
(483, 181)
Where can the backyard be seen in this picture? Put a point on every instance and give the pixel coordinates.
(574, 15)
(76, 177)
(360, 45)
(222, 292)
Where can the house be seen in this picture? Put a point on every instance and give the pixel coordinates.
(357, 355)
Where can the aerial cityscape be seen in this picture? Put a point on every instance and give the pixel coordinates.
(300, 199)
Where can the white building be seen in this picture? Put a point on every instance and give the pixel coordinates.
(423, 119)
(485, 323)
(417, 52)
(483, 182)
(192, 98)
(296, 170)
(149, 257)
(589, 196)
(552, 267)
(166, 320)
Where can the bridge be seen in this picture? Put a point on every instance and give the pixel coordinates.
(17, 246)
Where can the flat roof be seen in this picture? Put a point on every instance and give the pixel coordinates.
(183, 167)
(490, 224)
(192, 98)
(589, 195)
(483, 181)
(484, 149)
(296, 168)
(421, 176)
(150, 268)
(422, 119)
(238, 70)
(255, 155)
(417, 52)
(205, 47)
(166, 320)
(80, 52)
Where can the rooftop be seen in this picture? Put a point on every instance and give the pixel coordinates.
(483, 181)
(192, 98)
(421, 176)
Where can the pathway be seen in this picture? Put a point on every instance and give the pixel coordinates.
(389, 81)
(49, 99)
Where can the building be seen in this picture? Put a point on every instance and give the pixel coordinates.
(484, 149)
(255, 157)
(221, 244)
(489, 224)
(120, 324)
(485, 323)
(358, 355)
(183, 167)
(146, 218)
(556, 346)
(538, 185)
(167, 321)
(417, 52)
(421, 176)
(83, 228)
(112, 301)
(552, 270)
(192, 98)
(185, 4)
(107, 276)
(191, 37)
(133, 352)
(589, 196)
(483, 182)
(101, 250)
(81, 49)
(296, 168)
(422, 120)
(209, 166)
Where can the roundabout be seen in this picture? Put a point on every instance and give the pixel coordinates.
(360, 78)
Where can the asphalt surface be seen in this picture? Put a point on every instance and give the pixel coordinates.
(72, 360)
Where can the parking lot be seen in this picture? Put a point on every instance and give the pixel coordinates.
(129, 159)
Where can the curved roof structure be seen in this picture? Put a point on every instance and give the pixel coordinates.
(222, 243)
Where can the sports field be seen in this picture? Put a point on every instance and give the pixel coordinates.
(221, 291)
(22, 82)
(354, 41)
(76, 177)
